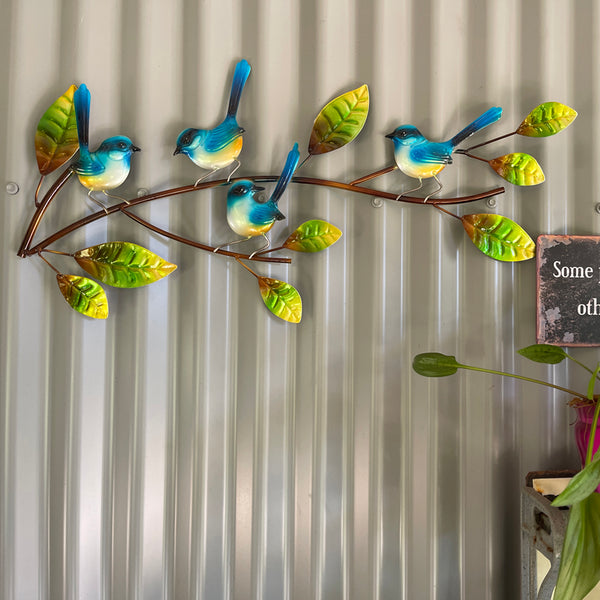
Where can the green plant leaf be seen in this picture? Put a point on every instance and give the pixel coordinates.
(123, 264)
(582, 485)
(56, 134)
(84, 295)
(435, 364)
(282, 299)
(544, 353)
(340, 121)
(518, 168)
(580, 559)
(313, 236)
(547, 119)
(499, 237)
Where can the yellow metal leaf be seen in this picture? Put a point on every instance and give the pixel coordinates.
(123, 264)
(518, 168)
(340, 121)
(84, 295)
(313, 236)
(547, 119)
(282, 299)
(56, 134)
(499, 237)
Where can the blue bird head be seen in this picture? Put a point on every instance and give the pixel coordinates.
(405, 135)
(243, 188)
(187, 141)
(118, 147)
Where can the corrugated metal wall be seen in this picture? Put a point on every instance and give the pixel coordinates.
(193, 446)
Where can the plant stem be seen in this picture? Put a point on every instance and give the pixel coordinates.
(590, 448)
(373, 175)
(580, 364)
(194, 244)
(522, 377)
(496, 139)
(590, 396)
(25, 250)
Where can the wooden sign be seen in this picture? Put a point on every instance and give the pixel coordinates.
(568, 290)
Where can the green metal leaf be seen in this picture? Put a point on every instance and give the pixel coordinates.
(580, 558)
(582, 485)
(282, 299)
(123, 264)
(435, 364)
(313, 236)
(340, 121)
(56, 134)
(499, 237)
(544, 353)
(84, 295)
(547, 119)
(518, 168)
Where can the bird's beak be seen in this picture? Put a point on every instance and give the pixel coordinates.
(177, 151)
(390, 135)
(135, 149)
(257, 188)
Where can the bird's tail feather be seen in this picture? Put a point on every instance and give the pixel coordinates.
(487, 118)
(242, 71)
(81, 99)
(286, 175)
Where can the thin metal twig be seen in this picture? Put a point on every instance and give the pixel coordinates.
(37, 191)
(194, 244)
(496, 139)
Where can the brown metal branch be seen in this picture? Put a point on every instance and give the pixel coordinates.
(37, 191)
(39, 213)
(25, 250)
(373, 175)
(194, 244)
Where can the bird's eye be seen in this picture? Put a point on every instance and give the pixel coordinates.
(186, 139)
(242, 190)
(122, 145)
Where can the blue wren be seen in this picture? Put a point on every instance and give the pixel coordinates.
(247, 215)
(417, 157)
(107, 167)
(218, 148)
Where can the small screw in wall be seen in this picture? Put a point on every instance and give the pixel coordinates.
(12, 188)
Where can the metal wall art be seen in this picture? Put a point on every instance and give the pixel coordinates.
(64, 129)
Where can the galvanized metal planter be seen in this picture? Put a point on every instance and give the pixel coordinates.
(543, 528)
